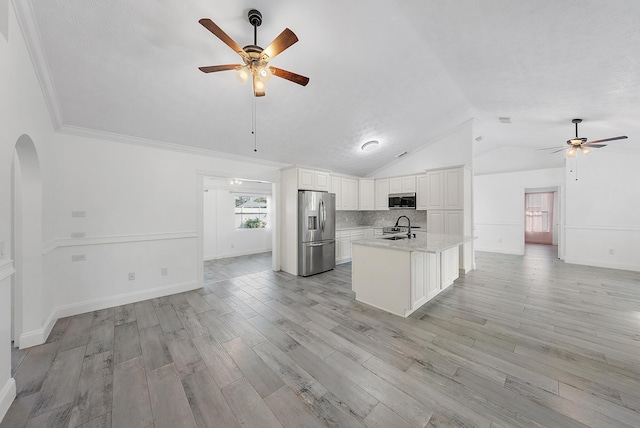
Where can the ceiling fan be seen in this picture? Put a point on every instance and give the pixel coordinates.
(577, 143)
(256, 60)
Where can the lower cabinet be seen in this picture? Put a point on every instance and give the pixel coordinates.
(344, 239)
(431, 273)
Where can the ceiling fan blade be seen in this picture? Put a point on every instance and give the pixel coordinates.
(256, 92)
(213, 68)
(217, 31)
(597, 146)
(550, 148)
(293, 77)
(557, 151)
(607, 139)
(279, 44)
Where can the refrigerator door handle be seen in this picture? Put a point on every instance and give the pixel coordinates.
(316, 244)
(324, 214)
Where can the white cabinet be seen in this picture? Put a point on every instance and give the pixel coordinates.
(322, 181)
(369, 233)
(422, 192)
(453, 189)
(449, 267)
(435, 183)
(382, 194)
(313, 180)
(349, 194)
(377, 231)
(425, 283)
(344, 238)
(445, 221)
(405, 184)
(336, 187)
(367, 195)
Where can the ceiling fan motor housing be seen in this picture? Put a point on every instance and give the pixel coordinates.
(255, 17)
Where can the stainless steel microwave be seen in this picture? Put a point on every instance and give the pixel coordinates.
(402, 201)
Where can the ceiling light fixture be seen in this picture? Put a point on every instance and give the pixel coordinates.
(369, 145)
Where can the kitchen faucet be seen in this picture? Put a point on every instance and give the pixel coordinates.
(408, 221)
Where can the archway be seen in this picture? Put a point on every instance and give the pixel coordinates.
(27, 293)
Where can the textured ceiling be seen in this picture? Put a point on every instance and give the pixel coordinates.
(402, 72)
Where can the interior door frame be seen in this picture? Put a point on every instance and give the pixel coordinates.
(558, 213)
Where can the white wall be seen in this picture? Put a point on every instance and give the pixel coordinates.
(221, 238)
(499, 207)
(453, 149)
(602, 209)
(143, 211)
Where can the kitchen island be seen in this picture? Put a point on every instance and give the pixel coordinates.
(399, 275)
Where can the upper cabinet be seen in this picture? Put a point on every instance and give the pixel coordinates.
(349, 194)
(402, 184)
(382, 194)
(435, 183)
(445, 189)
(313, 180)
(336, 187)
(422, 192)
(367, 195)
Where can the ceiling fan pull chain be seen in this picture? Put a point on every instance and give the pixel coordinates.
(254, 130)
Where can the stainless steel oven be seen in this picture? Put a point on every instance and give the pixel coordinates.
(402, 201)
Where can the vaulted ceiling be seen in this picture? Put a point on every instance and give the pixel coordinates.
(401, 72)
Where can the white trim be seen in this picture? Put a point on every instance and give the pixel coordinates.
(39, 336)
(162, 145)
(623, 228)
(237, 254)
(498, 224)
(6, 269)
(499, 250)
(115, 239)
(31, 34)
(602, 264)
(7, 395)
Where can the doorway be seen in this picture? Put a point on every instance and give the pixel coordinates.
(26, 241)
(542, 212)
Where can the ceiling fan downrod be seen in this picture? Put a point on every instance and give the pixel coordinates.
(255, 19)
(577, 121)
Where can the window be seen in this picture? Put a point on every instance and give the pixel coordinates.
(251, 212)
(538, 213)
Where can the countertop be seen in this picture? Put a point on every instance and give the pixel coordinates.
(341, 228)
(425, 242)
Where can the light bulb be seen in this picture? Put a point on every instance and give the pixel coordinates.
(264, 73)
(585, 150)
(571, 153)
(259, 85)
(242, 73)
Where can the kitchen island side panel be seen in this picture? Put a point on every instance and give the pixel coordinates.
(381, 277)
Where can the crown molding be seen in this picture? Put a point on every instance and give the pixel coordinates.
(33, 40)
(162, 145)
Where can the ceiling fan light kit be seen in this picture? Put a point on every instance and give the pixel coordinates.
(256, 59)
(582, 144)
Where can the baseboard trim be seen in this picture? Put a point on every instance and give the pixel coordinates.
(600, 263)
(499, 250)
(39, 336)
(7, 396)
(242, 253)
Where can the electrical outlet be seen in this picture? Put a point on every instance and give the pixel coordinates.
(164, 271)
(1, 249)
(78, 235)
(612, 251)
(78, 213)
(132, 276)
(78, 258)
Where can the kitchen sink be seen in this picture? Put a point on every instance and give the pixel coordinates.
(395, 237)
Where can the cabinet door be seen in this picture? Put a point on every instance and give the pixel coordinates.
(345, 248)
(306, 179)
(349, 194)
(409, 184)
(434, 192)
(435, 221)
(368, 233)
(367, 195)
(395, 185)
(453, 194)
(336, 187)
(453, 222)
(321, 181)
(382, 194)
(422, 194)
(419, 279)
(377, 232)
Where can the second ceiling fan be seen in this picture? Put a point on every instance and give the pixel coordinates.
(256, 60)
(581, 144)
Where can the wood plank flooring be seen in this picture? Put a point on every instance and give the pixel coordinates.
(519, 342)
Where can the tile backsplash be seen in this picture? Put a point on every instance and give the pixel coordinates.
(346, 219)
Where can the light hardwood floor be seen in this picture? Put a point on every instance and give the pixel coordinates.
(520, 341)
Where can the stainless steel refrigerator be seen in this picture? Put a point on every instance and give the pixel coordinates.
(316, 232)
